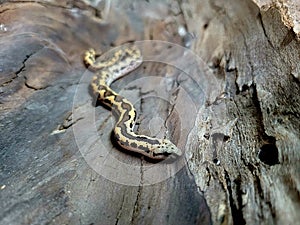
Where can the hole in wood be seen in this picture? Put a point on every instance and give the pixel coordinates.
(268, 154)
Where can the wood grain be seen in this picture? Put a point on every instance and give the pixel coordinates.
(224, 86)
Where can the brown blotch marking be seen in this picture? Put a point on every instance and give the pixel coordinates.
(133, 144)
(101, 87)
(116, 113)
(104, 88)
(108, 93)
(122, 125)
(117, 136)
(119, 98)
(144, 148)
(126, 117)
(115, 71)
(125, 143)
(125, 56)
(96, 80)
(126, 106)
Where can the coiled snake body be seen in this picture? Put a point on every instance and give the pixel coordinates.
(122, 62)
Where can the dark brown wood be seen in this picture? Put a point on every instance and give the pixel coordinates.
(231, 103)
(248, 168)
(44, 178)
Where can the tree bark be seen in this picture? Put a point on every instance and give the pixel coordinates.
(219, 78)
(253, 176)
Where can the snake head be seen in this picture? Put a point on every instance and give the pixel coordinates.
(166, 149)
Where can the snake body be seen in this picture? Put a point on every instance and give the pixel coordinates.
(121, 63)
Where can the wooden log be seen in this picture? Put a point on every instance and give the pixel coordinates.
(44, 177)
(251, 175)
(230, 102)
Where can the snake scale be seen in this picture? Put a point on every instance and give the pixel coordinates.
(121, 63)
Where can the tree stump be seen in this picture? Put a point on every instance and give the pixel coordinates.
(219, 78)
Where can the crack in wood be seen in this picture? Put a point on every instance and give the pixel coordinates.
(264, 30)
(9, 81)
(175, 85)
(44, 4)
(68, 122)
(91, 180)
(20, 70)
(136, 208)
(120, 210)
(289, 37)
(264, 138)
(34, 88)
(236, 210)
(135, 212)
(103, 124)
(5, 10)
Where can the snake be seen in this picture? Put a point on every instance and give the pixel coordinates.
(122, 62)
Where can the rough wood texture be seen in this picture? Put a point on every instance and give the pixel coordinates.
(289, 11)
(240, 107)
(44, 178)
(248, 169)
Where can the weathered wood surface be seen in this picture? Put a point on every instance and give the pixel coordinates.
(288, 9)
(44, 177)
(242, 163)
(253, 176)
